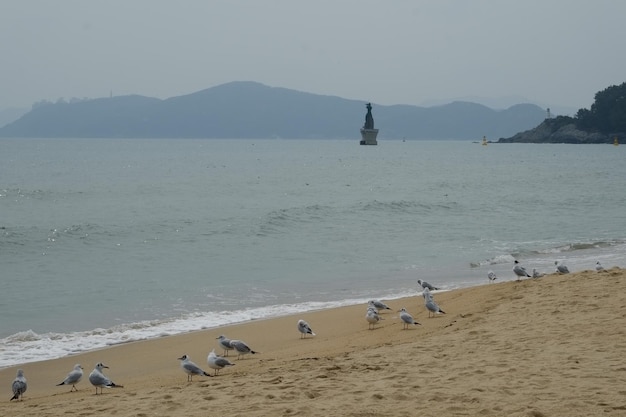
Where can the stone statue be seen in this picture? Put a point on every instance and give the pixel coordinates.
(369, 120)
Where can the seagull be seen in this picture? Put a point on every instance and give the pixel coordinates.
(425, 284)
(537, 274)
(599, 266)
(426, 294)
(492, 276)
(561, 268)
(520, 271)
(430, 304)
(304, 329)
(372, 309)
(99, 380)
(241, 348)
(73, 377)
(217, 362)
(19, 386)
(372, 317)
(407, 319)
(224, 344)
(190, 368)
(379, 305)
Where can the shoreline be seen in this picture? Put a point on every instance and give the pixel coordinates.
(509, 348)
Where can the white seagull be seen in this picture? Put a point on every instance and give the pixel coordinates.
(304, 329)
(599, 266)
(217, 362)
(190, 368)
(492, 276)
(241, 348)
(379, 305)
(426, 293)
(425, 284)
(520, 271)
(224, 343)
(561, 268)
(537, 274)
(407, 319)
(19, 386)
(73, 377)
(372, 317)
(99, 380)
(430, 304)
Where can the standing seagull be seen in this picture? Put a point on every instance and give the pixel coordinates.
(225, 344)
(561, 268)
(73, 377)
(492, 276)
(98, 379)
(241, 348)
(599, 266)
(190, 368)
(425, 284)
(520, 271)
(19, 386)
(217, 362)
(372, 317)
(407, 319)
(304, 329)
(430, 304)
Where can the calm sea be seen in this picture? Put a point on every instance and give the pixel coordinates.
(104, 241)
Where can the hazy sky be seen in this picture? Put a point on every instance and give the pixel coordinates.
(552, 52)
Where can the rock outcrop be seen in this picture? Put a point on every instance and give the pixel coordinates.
(553, 131)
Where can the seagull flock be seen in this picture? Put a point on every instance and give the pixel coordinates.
(373, 316)
(520, 272)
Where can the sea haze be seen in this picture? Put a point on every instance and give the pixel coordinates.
(104, 241)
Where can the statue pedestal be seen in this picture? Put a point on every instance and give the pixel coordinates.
(368, 136)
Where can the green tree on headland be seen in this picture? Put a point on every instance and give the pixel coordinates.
(607, 113)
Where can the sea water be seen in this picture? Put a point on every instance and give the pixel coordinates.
(105, 241)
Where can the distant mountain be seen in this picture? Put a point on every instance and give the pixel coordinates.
(11, 114)
(253, 110)
(504, 102)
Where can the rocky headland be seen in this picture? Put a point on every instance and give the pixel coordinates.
(558, 130)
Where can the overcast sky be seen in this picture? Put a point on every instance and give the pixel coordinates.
(551, 52)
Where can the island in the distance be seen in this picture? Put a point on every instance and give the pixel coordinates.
(605, 122)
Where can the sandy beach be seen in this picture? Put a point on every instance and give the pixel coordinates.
(553, 346)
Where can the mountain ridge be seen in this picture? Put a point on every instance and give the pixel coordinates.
(247, 109)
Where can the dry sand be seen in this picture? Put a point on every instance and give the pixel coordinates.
(554, 346)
